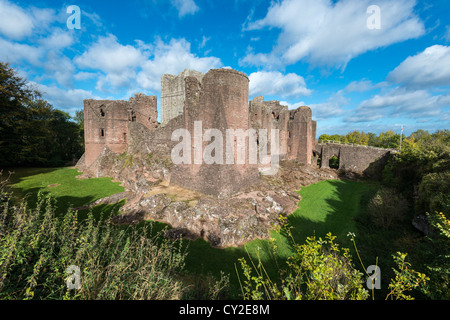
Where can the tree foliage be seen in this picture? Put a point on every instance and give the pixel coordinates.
(388, 139)
(32, 132)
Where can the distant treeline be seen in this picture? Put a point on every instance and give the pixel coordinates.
(387, 139)
(32, 132)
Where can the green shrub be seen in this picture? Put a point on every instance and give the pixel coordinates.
(321, 270)
(318, 270)
(439, 257)
(36, 248)
(387, 207)
(434, 193)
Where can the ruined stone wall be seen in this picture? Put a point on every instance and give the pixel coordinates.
(358, 159)
(173, 94)
(106, 123)
(297, 129)
(271, 115)
(217, 99)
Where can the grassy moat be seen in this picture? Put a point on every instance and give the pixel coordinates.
(336, 206)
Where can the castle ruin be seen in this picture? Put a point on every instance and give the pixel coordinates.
(219, 99)
(226, 203)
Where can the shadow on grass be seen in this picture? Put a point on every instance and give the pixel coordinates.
(67, 190)
(329, 206)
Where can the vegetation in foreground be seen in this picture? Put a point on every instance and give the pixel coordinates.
(39, 251)
(38, 245)
(320, 269)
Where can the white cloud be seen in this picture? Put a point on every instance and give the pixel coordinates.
(17, 52)
(14, 21)
(428, 68)
(275, 83)
(185, 7)
(69, 100)
(117, 62)
(330, 109)
(58, 39)
(400, 102)
(140, 65)
(109, 56)
(172, 57)
(328, 33)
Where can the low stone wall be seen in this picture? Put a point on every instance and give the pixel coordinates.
(354, 158)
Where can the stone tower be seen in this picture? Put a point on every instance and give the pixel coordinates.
(219, 101)
(106, 123)
(173, 94)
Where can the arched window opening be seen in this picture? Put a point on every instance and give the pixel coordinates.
(334, 162)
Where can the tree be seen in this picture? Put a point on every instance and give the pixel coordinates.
(15, 96)
(373, 140)
(358, 137)
(32, 132)
(389, 139)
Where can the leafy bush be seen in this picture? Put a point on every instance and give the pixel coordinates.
(36, 249)
(439, 257)
(318, 270)
(321, 270)
(434, 193)
(387, 207)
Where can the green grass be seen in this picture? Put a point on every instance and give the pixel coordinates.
(63, 184)
(328, 206)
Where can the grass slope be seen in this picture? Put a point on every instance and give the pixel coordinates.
(63, 184)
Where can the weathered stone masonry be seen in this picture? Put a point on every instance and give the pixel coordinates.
(219, 99)
(297, 129)
(354, 158)
(106, 123)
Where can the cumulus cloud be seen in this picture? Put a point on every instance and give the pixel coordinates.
(68, 99)
(116, 62)
(275, 83)
(14, 52)
(109, 56)
(185, 7)
(14, 21)
(426, 69)
(172, 57)
(328, 33)
(330, 109)
(414, 104)
(140, 65)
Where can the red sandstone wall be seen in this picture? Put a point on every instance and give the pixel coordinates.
(220, 102)
(106, 123)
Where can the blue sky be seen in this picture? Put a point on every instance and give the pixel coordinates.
(320, 53)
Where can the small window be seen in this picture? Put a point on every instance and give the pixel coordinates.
(102, 132)
(275, 116)
(102, 113)
(125, 137)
